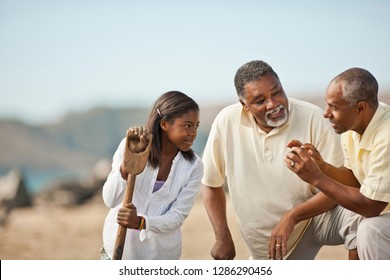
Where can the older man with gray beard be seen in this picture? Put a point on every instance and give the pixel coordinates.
(280, 216)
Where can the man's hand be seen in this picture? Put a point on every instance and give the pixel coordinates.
(311, 151)
(301, 163)
(223, 249)
(277, 246)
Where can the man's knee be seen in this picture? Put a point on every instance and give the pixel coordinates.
(373, 238)
(365, 230)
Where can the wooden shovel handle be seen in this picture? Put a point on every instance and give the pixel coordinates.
(121, 233)
(134, 161)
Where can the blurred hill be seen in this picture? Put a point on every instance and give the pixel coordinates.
(72, 146)
(76, 143)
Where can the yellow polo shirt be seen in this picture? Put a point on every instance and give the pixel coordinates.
(368, 155)
(261, 187)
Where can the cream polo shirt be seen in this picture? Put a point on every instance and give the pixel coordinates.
(368, 155)
(260, 185)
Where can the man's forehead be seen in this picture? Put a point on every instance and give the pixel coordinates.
(334, 93)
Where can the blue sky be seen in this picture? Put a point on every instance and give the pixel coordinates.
(61, 56)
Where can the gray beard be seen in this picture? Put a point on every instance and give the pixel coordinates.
(278, 122)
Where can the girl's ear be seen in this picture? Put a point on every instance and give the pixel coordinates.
(164, 125)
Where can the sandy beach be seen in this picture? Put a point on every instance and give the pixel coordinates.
(74, 233)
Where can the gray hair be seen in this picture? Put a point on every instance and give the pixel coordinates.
(358, 85)
(250, 72)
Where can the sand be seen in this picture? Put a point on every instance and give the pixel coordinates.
(74, 233)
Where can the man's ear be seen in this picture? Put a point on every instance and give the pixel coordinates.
(361, 106)
(244, 105)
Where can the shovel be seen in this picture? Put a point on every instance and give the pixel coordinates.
(134, 161)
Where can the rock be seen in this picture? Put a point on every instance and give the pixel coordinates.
(13, 193)
(13, 190)
(75, 191)
(65, 192)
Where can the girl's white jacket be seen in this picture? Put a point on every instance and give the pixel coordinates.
(164, 210)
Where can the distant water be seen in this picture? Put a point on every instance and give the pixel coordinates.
(38, 180)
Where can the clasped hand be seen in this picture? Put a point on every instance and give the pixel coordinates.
(304, 160)
(127, 216)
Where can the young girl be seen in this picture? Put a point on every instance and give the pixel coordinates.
(164, 192)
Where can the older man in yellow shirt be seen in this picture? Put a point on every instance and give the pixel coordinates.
(280, 216)
(354, 111)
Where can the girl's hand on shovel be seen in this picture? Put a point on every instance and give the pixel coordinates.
(138, 135)
(127, 216)
(138, 141)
